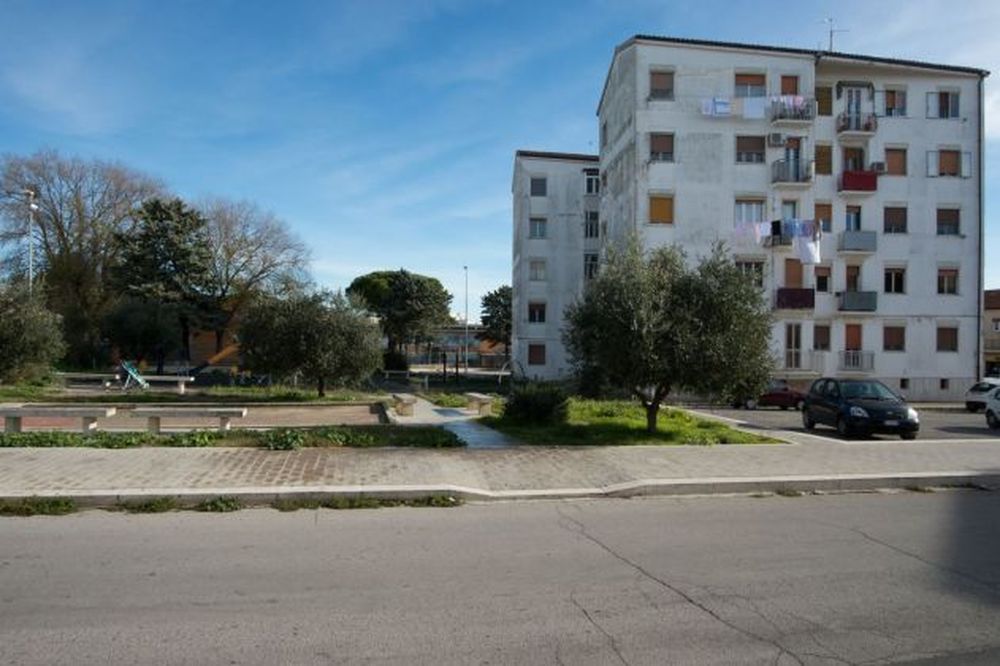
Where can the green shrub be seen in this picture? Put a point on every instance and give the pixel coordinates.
(154, 505)
(284, 439)
(38, 506)
(220, 504)
(193, 438)
(393, 360)
(537, 403)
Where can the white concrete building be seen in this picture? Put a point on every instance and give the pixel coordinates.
(699, 139)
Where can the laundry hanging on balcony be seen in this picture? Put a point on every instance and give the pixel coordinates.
(751, 232)
(717, 106)
(754, 108)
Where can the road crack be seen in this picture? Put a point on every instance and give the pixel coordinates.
(611, 639)
(573, 525)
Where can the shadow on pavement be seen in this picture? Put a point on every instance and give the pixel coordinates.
(973, 549)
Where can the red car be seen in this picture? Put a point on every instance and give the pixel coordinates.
(778, 394)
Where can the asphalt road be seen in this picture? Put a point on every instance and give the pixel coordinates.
(934, 424)
(731, 580)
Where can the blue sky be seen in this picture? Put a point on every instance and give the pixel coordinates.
(384, 131)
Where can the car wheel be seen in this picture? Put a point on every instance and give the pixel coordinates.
(807, 422)
(908, 435)
(992, 420)
(750, 404)
(800, 405)
(842, 428)
(971, 407)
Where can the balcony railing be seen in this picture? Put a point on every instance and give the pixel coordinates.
(857, 360)
(793, 298)
(791, 171)
(858, 241)
(857, 301)
(860, 123)
(803, 360)
(858, 181)
(792, 109)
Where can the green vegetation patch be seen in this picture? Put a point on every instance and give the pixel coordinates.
(153, 505)
(220, 504)
(445, 399)
(221, 394)
(38, 506)
(621, 422)
(339, 503)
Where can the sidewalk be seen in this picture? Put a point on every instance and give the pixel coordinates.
(100, 476)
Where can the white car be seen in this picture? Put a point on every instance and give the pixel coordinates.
(975, 397)
(993, 409)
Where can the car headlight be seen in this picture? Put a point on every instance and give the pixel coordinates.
(859, 412)
(912, 415)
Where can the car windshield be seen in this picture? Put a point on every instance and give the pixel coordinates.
(983, 387)
(868, 389)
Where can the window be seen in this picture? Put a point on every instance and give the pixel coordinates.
(822, 274)
(949, 162)
(661, 147)
(824, 159)
(895, 102)
(824, 101)
(894, 338)
(604, 134)
(755, 269)
(852, 278)
(536, 354)
(821, 337)
(947, 339)
(895, 161)
(793, 346)
(592, 182)
(661, 209)
(904, 384)
(590, 266)
(996, 325)
(895, 280)
(942, 104)
(947, 222)
(944, 384)
(749, 211)
(537, 270)
(536, 313)
(591, 225)
(894, 220)
(749, 150)
(661, 85)
(750, 85)
(539, 187)
(824, 213)
(947, 280)
(789, 210)
(789, 85)
(538, 227)
(853, 218)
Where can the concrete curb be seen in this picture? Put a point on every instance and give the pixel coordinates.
(262, 496)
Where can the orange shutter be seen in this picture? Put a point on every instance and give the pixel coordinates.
(948, 163)
(895, 161)
(852, 336)
(789, 85)
(661, 210)
(661, 143)
(824, 101)
(749, 79)
(823, 212)
(793, 273)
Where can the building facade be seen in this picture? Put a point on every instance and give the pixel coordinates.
(991, 332)
(849, 186)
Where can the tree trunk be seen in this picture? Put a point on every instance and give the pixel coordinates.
(321, 387)
(652, 411)
(220, 336)
(185, 337)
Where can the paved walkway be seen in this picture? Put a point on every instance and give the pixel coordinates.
(459, 421)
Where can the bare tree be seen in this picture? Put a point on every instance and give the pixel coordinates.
(81, 206)
(253, 252)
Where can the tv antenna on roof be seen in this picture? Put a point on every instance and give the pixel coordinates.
(829, 21)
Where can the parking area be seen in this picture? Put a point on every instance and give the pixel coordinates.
(934, 423)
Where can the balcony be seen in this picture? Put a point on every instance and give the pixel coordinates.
(856, 125)
(857, 301)
(793, 298)
(792, 111)
(795, 173)
(806, 361)
(858, 241)
(858, 182)
(856, 360)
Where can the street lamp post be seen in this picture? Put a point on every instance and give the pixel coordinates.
(466, 345)
(32, 207)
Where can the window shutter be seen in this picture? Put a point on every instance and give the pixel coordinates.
(932, 163)
(901, 99)
(824, 101)
(966, 165)
(932, 105)
(824, 159)
(661, 143)
(749, 79)
(953, 105)
(895, 161)
(789, 85)
(661, 210)
(948, 163)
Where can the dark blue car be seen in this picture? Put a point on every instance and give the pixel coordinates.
(859, 406)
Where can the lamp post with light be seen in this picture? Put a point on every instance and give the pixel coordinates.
(32, 207)
(466, 344)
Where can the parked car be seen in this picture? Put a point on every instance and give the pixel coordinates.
(859, 406)
(993, 409)
(777, 394)
(975, 397)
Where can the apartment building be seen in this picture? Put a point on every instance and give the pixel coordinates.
(991, 332)
(557, 238)
(850, 187)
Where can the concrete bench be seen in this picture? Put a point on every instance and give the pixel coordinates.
(180, 381)
(480, 402)
(403, 403)
(107, 379)
(155, 415)
(88, 415)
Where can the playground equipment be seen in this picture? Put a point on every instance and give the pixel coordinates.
(226, 352)
(132, 377)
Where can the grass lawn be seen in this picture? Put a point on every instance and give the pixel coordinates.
(222, 394)
(610, 423)
(363, 436)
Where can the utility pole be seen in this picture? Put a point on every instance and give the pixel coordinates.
(466, 269)
(32, 207)
(829, 21)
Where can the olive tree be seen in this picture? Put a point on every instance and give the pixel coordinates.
(30, 336)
